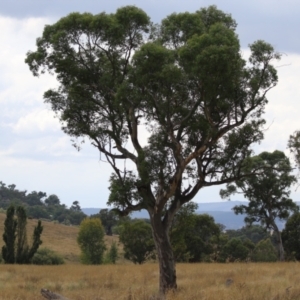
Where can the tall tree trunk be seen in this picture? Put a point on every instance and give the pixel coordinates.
(167, 271)
(279, 243)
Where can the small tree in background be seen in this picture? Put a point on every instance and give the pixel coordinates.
(9, 236)
(109, 218)
(16, 249)
(268, 192)
(291, 236)
(234, 250)
(191, 234)
(218, 243)
(138, 241)
(181, 228)
(264, 251)
(91, 241)
(113, 253)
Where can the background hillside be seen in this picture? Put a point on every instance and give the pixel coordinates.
(57, 237)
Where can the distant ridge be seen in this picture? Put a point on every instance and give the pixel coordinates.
(90, 211)
(202, 207)
(220, 211)
(219, 206)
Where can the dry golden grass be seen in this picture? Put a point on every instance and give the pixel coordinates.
(57, 237)
(125, 281)
(274, 281)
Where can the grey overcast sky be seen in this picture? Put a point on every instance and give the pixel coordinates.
(36, 155)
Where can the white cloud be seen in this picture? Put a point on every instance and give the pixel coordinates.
(36, 121)
(83, 180)
(17, 85)
(282, 111)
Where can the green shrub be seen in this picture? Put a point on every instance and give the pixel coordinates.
(264, 251)
(91, 241)
(111, 255)
(45, 256)
(234, 250)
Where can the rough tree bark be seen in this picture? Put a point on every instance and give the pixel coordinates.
(167, 271)
(279, 243)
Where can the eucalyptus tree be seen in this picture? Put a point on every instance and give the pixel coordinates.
(267, 191)
(175, 100)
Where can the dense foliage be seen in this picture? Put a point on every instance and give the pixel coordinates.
(39, 206)
(9, 236)
(193, 235)
(291, 237)
(91, 241)
(234, 250)
(137, 240)
(264, 251)
(109, 219)
(46, 256)
(254, 233)
(16, 248)
(112, 254)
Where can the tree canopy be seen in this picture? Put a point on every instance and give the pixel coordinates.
(172, 107)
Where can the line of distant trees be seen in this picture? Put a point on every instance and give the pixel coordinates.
(40, 206)
(194, 237)
(197, 238)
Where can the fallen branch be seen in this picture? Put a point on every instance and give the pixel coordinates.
(52, 296)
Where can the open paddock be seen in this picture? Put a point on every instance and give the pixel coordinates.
(245, 281)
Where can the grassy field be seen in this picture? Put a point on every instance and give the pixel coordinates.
(274, 281)
(125, 281)
(57, 237)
